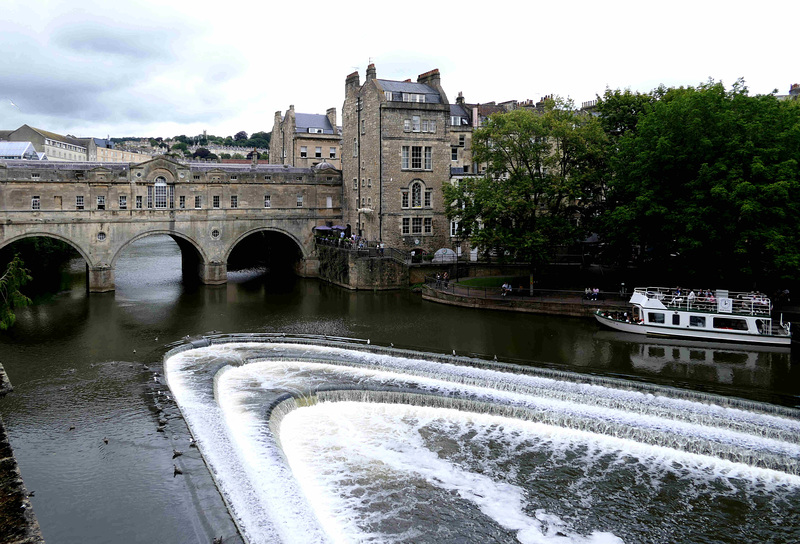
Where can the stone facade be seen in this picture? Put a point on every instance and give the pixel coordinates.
(396, 159)
(303, 139)
(206, 207)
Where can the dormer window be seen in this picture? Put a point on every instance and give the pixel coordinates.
(315, 131)
(413, 97)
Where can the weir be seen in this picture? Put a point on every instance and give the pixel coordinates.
(238, 393)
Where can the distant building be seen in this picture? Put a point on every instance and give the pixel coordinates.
(305, 139)
(55, 146)
(18, 150)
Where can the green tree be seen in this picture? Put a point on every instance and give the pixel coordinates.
(237, 156)
(181, 147)
(540, 183)
(240, 136)
(708, 186)
(15, 277)
(201, 153)
(225, 156)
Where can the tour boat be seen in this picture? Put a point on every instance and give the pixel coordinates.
(720, 316)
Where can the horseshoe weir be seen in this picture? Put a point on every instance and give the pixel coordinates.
(207, 208)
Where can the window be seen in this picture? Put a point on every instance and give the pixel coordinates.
(299, 178)
(416, 195)
(303, 151)
(35, 176)
(428, 158)
(215, 201)
(267, 178)
(267, 201)
(79, 202)
(369, 201)
(730, 323)
(697, 321)
(123, 202)
(404, 199)
(407, 125)
(139, 202)
(416, 157)
(428, 197)
(234, 201)
(363, 126)
(413, 97)
(427, 225)
(363, 201)
(369, 182)
(406, 229)
(329, 201)
(453, 229)
(425, 126)
(355, 184)
(655, 317)
(36, 203)
(388, 95)
(160, 193)
(455, 120)
(415, 122)
(676, 319)
(416, 225)
(101, 202)
(462, 140)
(404, 160)
(299, 201)
(318, 152)
(182, 202)
(197, 202)
(333, 153)
(196, 176)
(355, 147)
(453, 153)
(234, 178)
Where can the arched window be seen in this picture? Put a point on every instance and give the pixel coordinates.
(160, 193)
(416, 195)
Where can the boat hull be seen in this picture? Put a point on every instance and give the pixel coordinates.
(656, 331)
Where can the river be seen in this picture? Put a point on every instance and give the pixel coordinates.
(93, 425)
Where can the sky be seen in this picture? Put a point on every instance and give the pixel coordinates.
(144, 68)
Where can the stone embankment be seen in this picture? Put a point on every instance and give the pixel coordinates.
(18, 523)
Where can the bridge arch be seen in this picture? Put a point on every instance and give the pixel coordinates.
(188, 242)
(300, 246)
(33, 234)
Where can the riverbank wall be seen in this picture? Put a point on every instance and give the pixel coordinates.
(18, 524)
(562, 306)
(353, 269)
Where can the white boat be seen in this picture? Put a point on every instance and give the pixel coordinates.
(720, 316)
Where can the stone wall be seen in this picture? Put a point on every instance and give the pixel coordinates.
(354, 270)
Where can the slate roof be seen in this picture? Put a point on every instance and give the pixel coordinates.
(305, 121)
(431, 95)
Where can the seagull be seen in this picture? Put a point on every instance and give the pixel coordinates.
(105, 440)
(367, 341)
(176, 453)
(12, 103)
(160, 429)
(454, 352)
(192, 443)
(176, 470)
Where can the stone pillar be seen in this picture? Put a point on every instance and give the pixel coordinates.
(213, 273)
(100, 279)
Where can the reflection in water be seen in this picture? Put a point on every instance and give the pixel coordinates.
(76, 359)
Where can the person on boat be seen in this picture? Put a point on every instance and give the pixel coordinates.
(690, 298)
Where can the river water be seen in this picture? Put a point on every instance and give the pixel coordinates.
(94, 426)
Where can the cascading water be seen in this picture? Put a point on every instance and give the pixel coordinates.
(314, 440)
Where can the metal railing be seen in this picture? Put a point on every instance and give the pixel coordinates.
(366, 248)
(522, 293)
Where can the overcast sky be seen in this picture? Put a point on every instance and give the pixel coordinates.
(141, 68)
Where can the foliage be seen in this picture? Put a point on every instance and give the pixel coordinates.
(181, 146)
(541, 183)
(225, 156)
(240, 136)
(237, 156)
(15, 277)
(708, 184)
(201, 152)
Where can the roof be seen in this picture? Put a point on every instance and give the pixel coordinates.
(4, 134)
(305, 121)
(59, 137)
(431, 94)
(17, 149)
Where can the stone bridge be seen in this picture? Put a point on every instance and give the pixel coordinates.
(207, 208)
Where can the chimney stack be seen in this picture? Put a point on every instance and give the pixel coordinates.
(371, 74)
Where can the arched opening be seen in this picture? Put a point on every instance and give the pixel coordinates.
(54, 264)
(264, 253)
(163, 262)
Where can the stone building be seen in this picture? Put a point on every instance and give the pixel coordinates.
(305, 139)
(55, 146)
(396, 147)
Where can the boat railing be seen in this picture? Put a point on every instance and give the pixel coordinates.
(719, 301)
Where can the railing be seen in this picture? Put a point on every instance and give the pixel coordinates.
(521, 293)
(365, 248)
(720, 301)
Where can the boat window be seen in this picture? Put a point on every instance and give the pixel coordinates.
(676, 319)
(730, 323)
(697, 321)
(655, 317)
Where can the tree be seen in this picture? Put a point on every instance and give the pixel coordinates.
(708, 185)
(541, 172)
(239, 136)
(180, 147)
(201, 153)
(225, 156)
(15, 276)
(237, 156)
